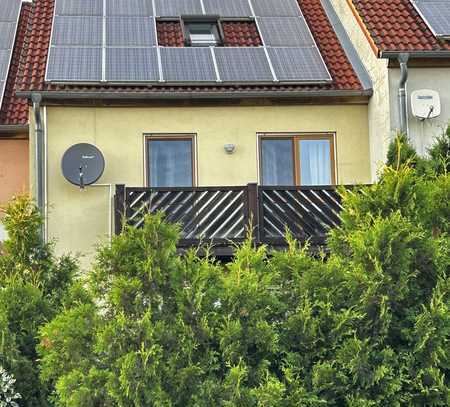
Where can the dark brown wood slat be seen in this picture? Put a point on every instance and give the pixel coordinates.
(310, 223)
(298, 216)
(333, 204)
(316, 216)
(202, 199)
(203, 210)
(277, 226)
(321, 209)
(212, 216)
(227, 217)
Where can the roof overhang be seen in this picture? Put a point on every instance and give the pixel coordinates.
(154, 96)
(415, 54)
(13, 129)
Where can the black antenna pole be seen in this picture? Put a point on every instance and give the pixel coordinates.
(81, 178)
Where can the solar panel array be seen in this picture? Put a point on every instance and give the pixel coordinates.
(9, 17)
(116, 41)
(436, 14)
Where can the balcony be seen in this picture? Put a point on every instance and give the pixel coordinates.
(221, 215)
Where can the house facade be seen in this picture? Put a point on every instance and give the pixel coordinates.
(382, 31)
(14, 151)
(253, 123)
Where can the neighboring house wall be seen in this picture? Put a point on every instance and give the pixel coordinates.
(14, 170)
(78, 220)
(422, 134)
(380, 132)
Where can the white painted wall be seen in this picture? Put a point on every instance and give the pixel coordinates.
(380, 130)
(422, 134)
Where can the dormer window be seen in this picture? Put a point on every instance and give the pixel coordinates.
(207, 31)
(202, 34)
(202, 31)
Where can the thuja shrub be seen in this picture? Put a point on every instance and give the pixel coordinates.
(366, 324)
(33, 285)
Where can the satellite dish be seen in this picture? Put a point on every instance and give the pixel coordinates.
(83, 164)
(425, 104)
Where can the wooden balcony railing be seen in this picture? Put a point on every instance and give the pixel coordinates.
(222, 215)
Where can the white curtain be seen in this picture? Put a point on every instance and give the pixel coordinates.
(315, 162)
(170, 163)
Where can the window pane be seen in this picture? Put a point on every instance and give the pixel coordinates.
(277, 162)
(203, 33)
(170, 163)
(315, 162)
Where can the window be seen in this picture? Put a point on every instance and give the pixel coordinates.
(202, 34)
(170, 161)
(204, 31)
(297, 160)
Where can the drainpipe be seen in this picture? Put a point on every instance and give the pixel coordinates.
(36, 98)
(402, 101)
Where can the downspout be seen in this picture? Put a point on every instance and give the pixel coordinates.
(36, 98)
(402, 100)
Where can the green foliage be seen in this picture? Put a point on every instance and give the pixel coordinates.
(366, 325)
(401, 152)
(8, 396)
(33, 285)
(440, 154)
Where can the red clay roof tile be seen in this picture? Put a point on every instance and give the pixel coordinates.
(395, 25)
(170, 34)
(241, 34)
(344, 77)
(14, 110)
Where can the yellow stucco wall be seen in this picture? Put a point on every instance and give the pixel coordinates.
(78, 220)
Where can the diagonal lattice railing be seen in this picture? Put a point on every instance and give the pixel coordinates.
(211, 214)
(222, 215)
(307, 212)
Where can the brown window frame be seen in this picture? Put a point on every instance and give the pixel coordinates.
(295, 138)
(170, 137)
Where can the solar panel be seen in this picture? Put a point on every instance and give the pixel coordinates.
(9, 10)
(436, 14)
(69, 30)
(9, 17)
(8, 31)
(298, 64)
(285, 32)
(188, 65)
(119, 44)
(132, 64)
(174, 8)
(228, 8)
(276, 8)
(243, 65)
(4, 63)
(142, 8)
(79, 8)
(75, 64)
(130, 31)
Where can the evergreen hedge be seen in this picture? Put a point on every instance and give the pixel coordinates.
(366, 323)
